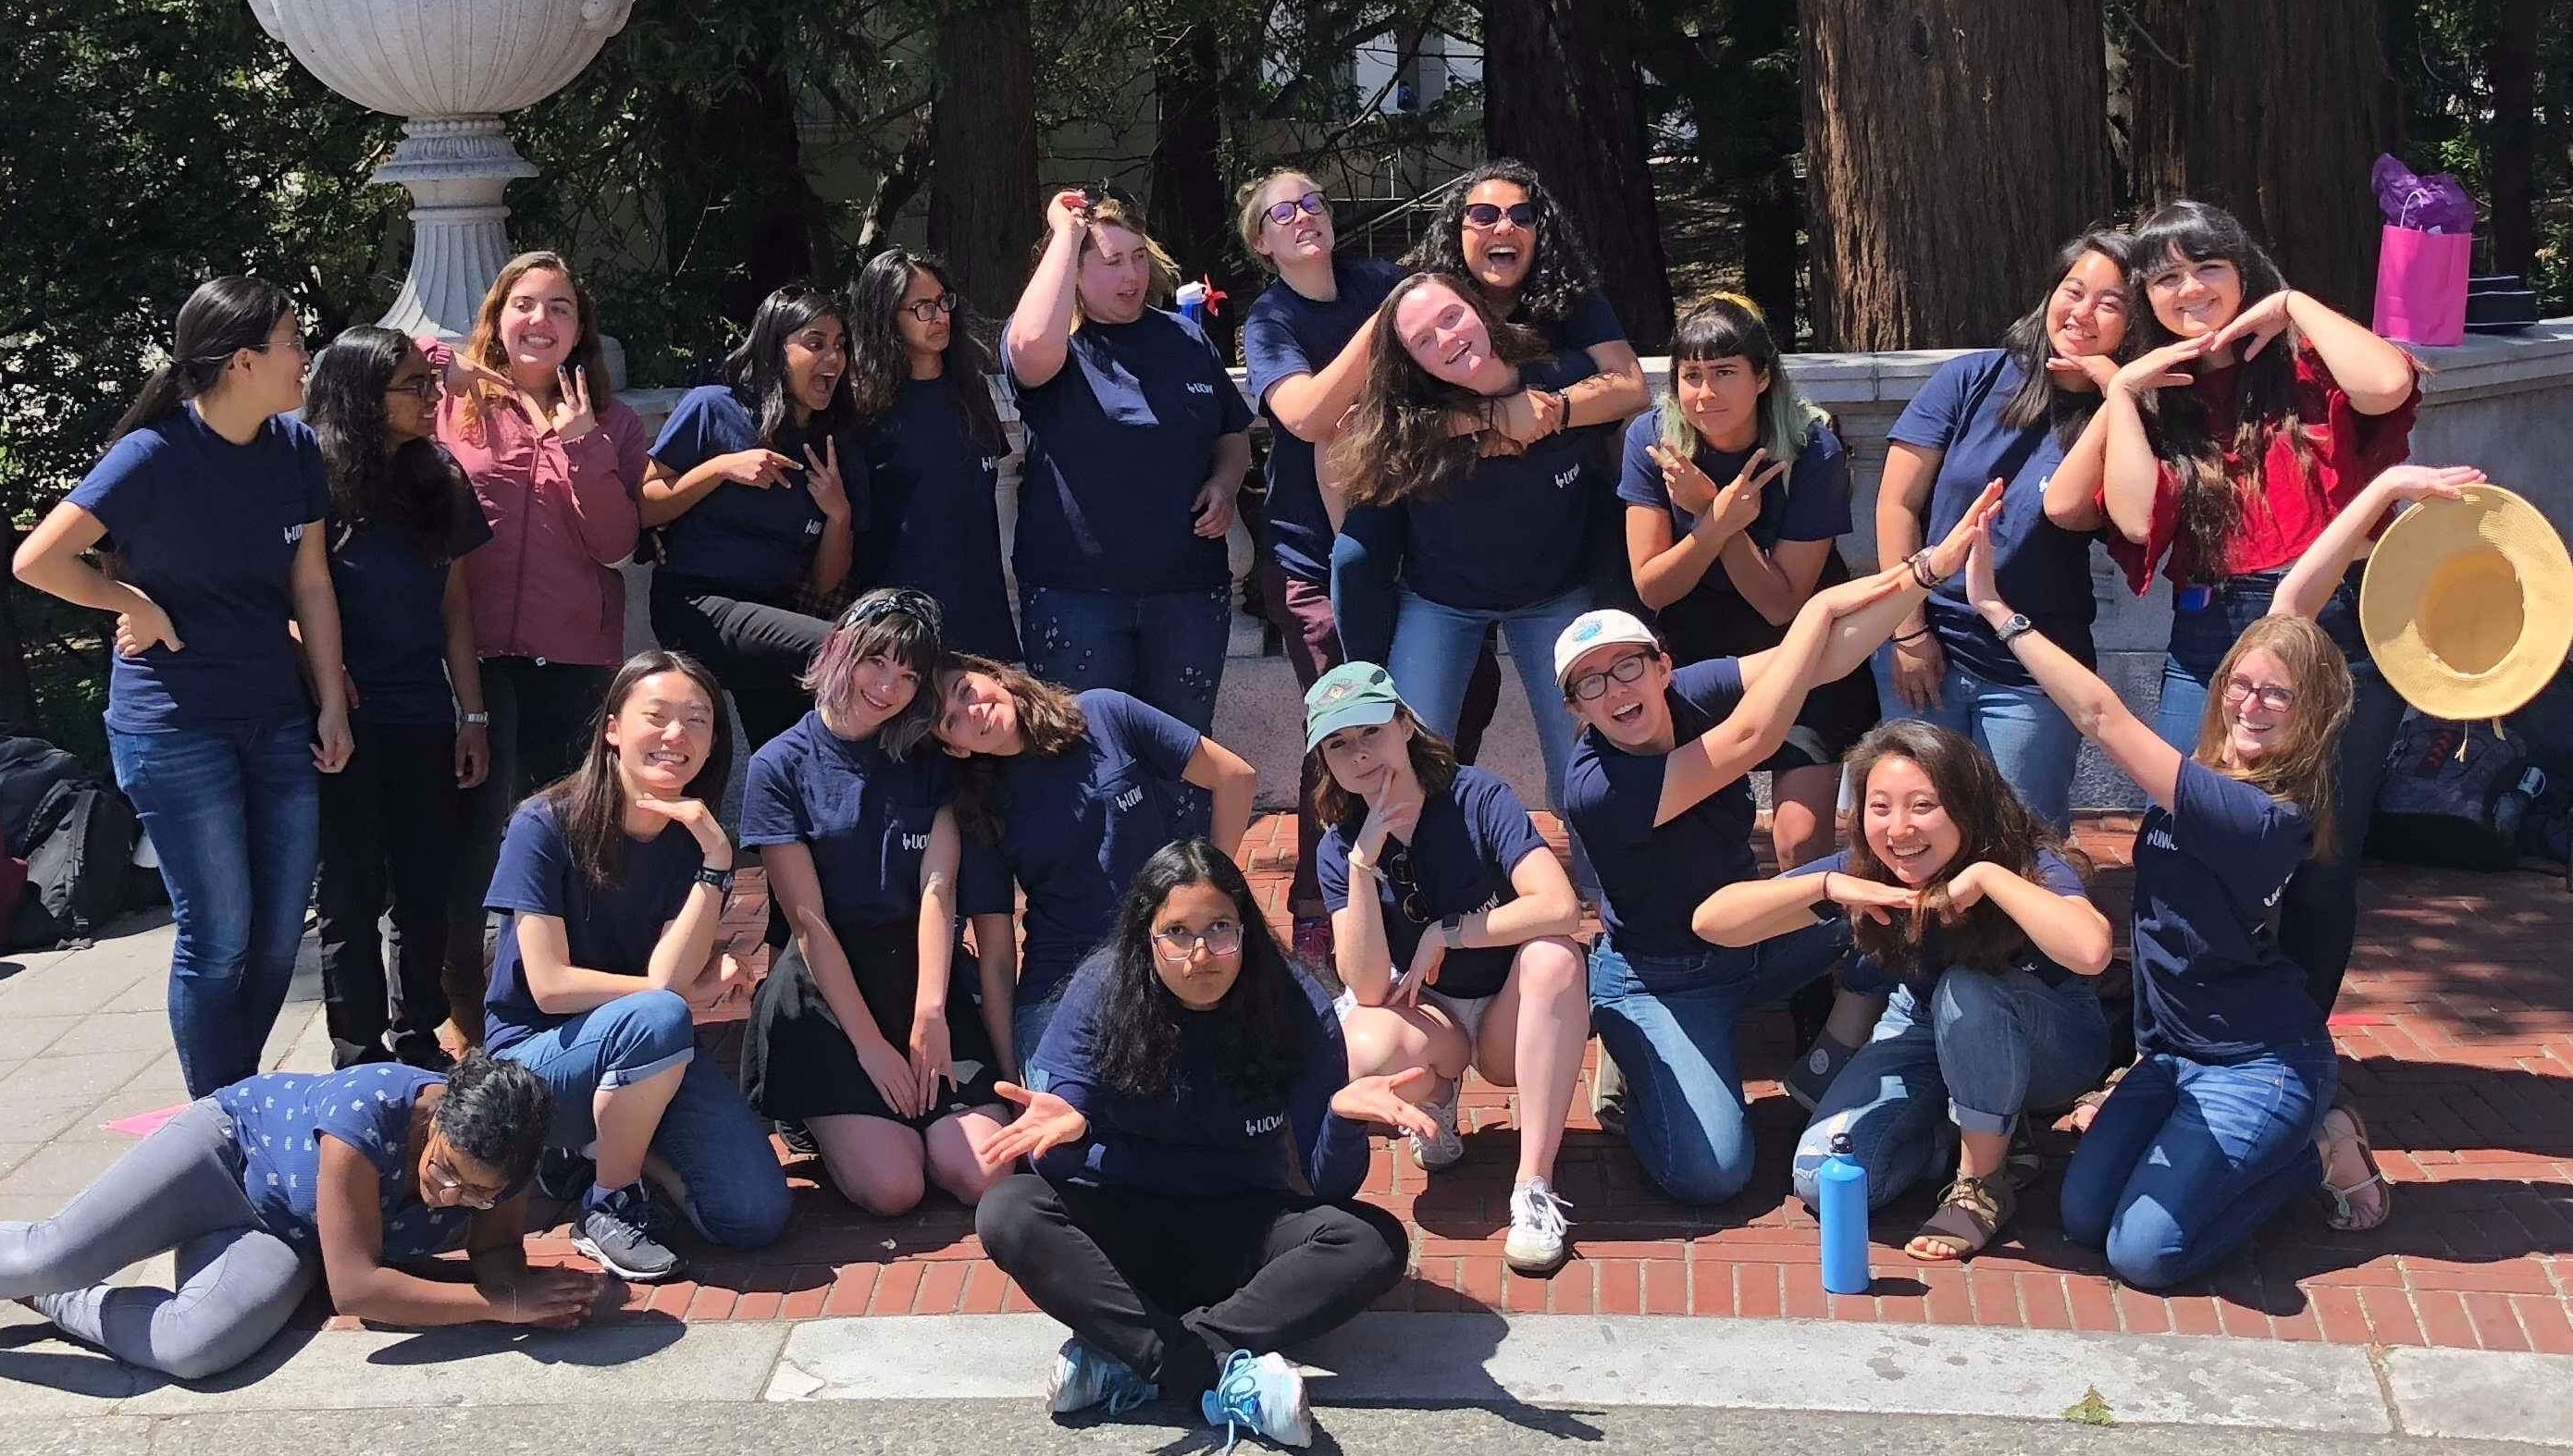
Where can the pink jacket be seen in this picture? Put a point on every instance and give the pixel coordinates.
(563, 517)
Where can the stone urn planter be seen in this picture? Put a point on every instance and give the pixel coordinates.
(449, 68)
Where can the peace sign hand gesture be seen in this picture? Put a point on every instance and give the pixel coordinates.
(822, 478)
(570, 418)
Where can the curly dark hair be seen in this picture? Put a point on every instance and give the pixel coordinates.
(415, 489)
(2264, 388)
(1398, 444)
(1139, 1019)
(880, 362)
(1049, 723)
(2038, 397)
(495, 1113)
(1993, 826)
(1559, 274)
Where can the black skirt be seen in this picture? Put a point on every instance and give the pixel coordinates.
(797, 1063)
(1714, 621)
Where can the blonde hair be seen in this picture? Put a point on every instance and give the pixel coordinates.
(1248, 211)
(2300, 770)
(1730, 326)
(1108, 211)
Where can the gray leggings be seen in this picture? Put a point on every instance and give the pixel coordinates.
(180, 1189)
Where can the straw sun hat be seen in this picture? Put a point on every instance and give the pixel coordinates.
(2468, 605)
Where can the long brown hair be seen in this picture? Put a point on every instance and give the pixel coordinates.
(2300, 770)
(1398, 446)
(590, 802)
(1049, 723)
(484, 347)
(1992, 824)
(1434, 763)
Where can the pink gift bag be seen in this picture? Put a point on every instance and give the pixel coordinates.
(2421, 286)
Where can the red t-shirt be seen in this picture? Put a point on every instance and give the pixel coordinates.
(2294, 499)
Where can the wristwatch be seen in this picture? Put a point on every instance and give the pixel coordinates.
(721, 880)
(1451, 932)
(473, 718)
(2018, 626)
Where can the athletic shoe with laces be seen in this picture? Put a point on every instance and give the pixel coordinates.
(1263, 1394)
(564, 1176)
(798, 1139)
(1083, 1377)
(1812, 1073)
(1312, 942)
(1443, 1151)
(617, 1231)
(1536, 1245)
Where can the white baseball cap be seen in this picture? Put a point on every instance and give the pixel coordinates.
(1605, 628)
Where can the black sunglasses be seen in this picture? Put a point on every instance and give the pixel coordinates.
(1489, 214)
(1284, 213)
(1407, 883)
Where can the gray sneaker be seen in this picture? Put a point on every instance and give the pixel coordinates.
(1813, 1072)
(617, 1231)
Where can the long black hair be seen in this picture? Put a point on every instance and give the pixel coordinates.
(880, 362)
(1559, 272)
(590, 802)
(1138, 1020)
(756, 370)
(412, 489)
(220, 319)
(2038, 397)
(495, 1113)
(2265, 386)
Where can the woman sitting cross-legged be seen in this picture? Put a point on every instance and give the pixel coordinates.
(854, 1033)
(1956, 889)
(2213, 1129)
(275, 1181)
(1198, 1145)
(612, 883)
(1452, 925)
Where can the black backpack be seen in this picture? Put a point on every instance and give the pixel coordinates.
(78, 843)
(2454, 795)
(29, 768)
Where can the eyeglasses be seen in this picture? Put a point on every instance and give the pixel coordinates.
(442, 1177)
(2239, 690)
(1590, 685)
(887, 602)
(1405, 880)
(928, 311)
(1284, 213)
(1489, 214)
(423, 389)
(1178, 945)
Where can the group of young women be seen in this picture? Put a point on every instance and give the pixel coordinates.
(1008, 931)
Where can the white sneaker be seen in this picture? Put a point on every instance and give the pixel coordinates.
(1435, 1154)
(1536, 1229)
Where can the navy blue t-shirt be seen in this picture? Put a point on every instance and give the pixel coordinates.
(757, 541)
(937, 515)
(2043, 569)
(1120, 442)
(610, 928)
(2211, 983)
(1286, 335)
(1810, 502)
(1591, 320)
(208, 530)
(2054, 871)
(1204, 1139)
(1514, 532)
(1076, 828)
(279, 1122)
(1652, 878)
(392, 613)
(865, 818)
(1458, 862)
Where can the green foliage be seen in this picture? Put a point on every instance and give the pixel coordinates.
(2091, 1411)
(2437, 51)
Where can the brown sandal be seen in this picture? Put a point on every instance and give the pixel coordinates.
(1970, 1214)
(2355, 1208)
(2086, 1108)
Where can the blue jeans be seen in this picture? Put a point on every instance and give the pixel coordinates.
(2318, 920)
(2186, 1159)
(735, 1191)
(2033, 744)
(1989, 1047)
(1166, 648)
(1432, 660)
(1028, 1022)
(1366, 563)
(1669, 1023)
(235, 817)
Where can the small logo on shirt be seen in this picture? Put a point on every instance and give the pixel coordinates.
(1201, 389)
(2160, 838)
(812, 527)
(1563, 481)
(915, 842)
(1263, 1127)
(295, 532)
(1131, 798)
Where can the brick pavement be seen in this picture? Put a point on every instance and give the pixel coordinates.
(2457, 1033)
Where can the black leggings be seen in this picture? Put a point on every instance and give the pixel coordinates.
(391, 823)
(1173, 1286)
(757, 650)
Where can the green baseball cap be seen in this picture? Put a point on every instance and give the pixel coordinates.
(1352, 696)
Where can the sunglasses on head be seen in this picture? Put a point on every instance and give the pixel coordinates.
(1284, 213)
(1489, 214)
(927, 310)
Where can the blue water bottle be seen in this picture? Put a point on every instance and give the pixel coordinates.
(1844, 1207)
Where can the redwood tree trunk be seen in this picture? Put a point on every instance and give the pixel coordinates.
(1951, 147)
(739, 198)
(984, 209)
(2275, 112)
(2511, 66)
(1562, 91)
(1187, 207)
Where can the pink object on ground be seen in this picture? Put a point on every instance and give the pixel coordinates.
(143, 1125)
